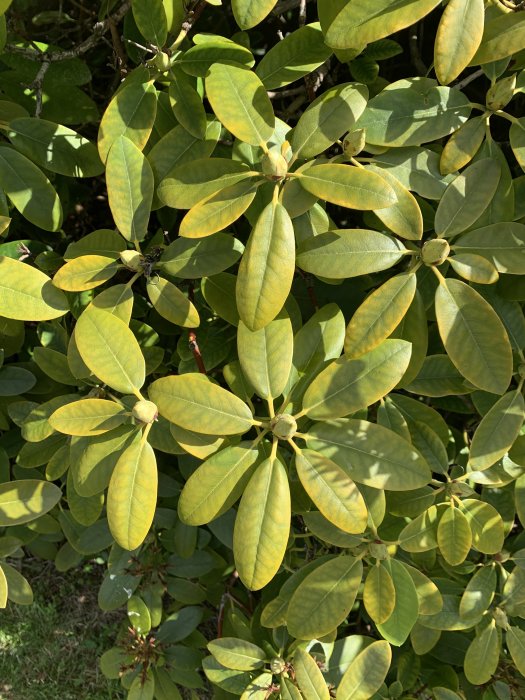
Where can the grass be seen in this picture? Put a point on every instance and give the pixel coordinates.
(50, 649)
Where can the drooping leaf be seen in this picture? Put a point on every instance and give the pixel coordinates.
(110, 350)
(194, 402)
(262, 525)
(473, 335)
(132, 494)
(267, 268)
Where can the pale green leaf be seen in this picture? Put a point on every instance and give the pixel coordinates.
(25, 500)
(458, 38)
(366, 673)
(171, 303)
(88, 417)
(497, 431)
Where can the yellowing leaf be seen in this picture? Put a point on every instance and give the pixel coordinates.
(515, 639)
(486, 525)
(332, 491)
(25, 500)
(502, 36)
(267, 268)
(497, 431)
(85, 272)
(262, 525)
(379, 315)
(348, 186)
(405, 613)
(195, 403)
(473, 335)
(404, 217)
(366, 673)
(237, 653)
(454, 536)
(132, 494)
(347, 385)
(458, 38)
(171, 303)
(309, 678)
(248, 13)
(87, 417)
(379, 594)
(482, 657)
(110, 350)
(239, 100)
(3, 589)
(130, 188)
(27, 294)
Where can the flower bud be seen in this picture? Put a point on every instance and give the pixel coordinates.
(435, 252)
(378, 550)
(145, 411)
(162, 61)
(284, 426)
(277, 665)
(274, 165)
(501, 93)
(132, 259)
(354, 142)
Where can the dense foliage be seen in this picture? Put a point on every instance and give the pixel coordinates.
(261, 283)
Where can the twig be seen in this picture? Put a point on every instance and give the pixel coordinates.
(415, 54)
(194, 347)
(99, 29)
(286, 5)
(469, 79)
(292, 92)
(120, 53)
(37, 86)
(192, 16)
(302, 13)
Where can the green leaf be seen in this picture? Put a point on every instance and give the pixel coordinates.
(267, 267)
(130, 188)
(193, 258)
(29, 190)
(515, 639)
(473, 335)
(184, 187)
(404, 217)
(15, 381)
(356, 23)
(349, 253)
(413, 111)
(132, 494)
(150, 18)
(467, 197)
(517, 141)
(479, 593)
(348, 186)
(298, 54)
(237, 654)
(379, 594)
(18, 588)
(219, 210)
(309, 678)
(370, 454)
(239, 100)
(142, 687)
(367, 672)
(171, 303)
(329, 487)
(430, 600)
(195, 403)
(324, 598)
(3, 589)
(379, 315)
(55, 147)
(219, 292)
(502, 36)
(266, 355)
(486, 525)
(110, 350)
(262, 525)
(217, 484)
(497, 431)
(139, 614)
(437, 377)
(454, 536)
(328, 117)
(458, 38)
(85, 272)
(25, 500)
(474, 268)
(131, 113)
(248, 13)
(88, 417)
(504, 246)
(404, 616)
(347, 385)
(187, 103)
(482, 657)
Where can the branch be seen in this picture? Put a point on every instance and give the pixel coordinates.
(192, 16)
(99, 30)
(37, 85)
(286, 5)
